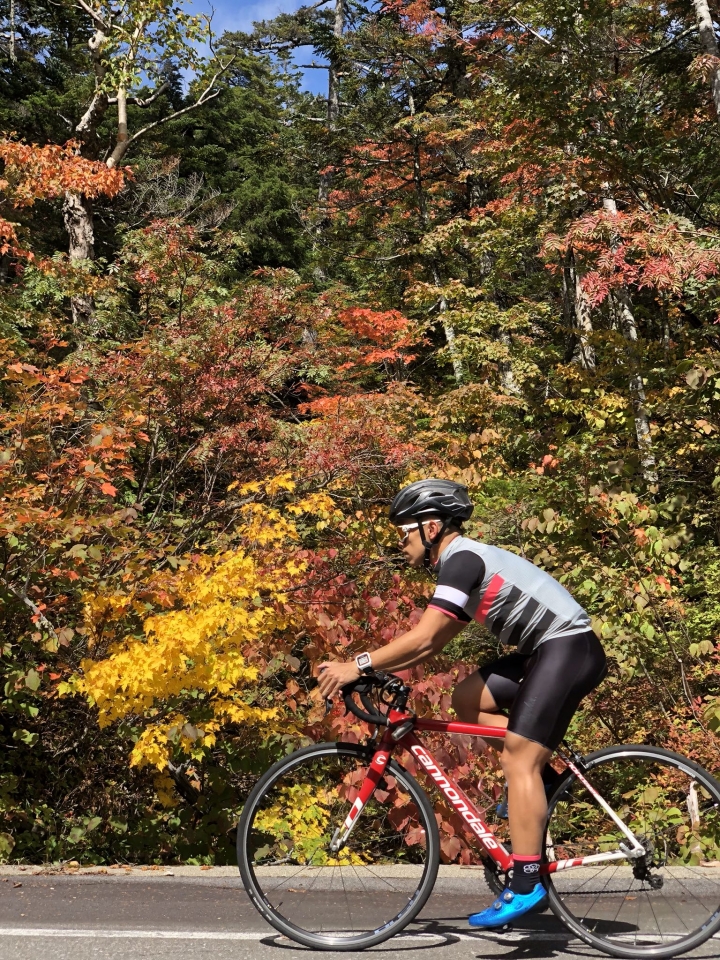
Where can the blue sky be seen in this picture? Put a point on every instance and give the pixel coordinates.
(240, 14)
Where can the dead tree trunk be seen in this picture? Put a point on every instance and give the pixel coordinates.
(622, 304)
(709, 43)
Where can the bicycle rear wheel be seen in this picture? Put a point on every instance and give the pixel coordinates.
(365, 892)
(668, 901)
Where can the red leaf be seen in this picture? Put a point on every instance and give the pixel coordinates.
(415, 835)
(450, 847)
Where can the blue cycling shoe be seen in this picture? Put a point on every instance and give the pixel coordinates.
(508, 907)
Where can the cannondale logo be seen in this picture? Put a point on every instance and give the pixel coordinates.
(475, 824)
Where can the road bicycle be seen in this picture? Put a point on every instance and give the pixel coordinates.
(339, 848)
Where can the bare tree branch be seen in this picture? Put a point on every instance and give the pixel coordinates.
(96, 17)
(671, 41)
(209, 93)
(526, 26)
(41, 618)
(312, 7)
(145, 102)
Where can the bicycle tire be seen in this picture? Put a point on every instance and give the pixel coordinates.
(253, 882)
(565, 899)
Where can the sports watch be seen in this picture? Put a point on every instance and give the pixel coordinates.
(364, 663)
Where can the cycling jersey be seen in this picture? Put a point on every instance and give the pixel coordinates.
(520, 603)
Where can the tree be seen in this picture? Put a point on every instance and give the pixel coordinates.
(250, 160)
(131, 54)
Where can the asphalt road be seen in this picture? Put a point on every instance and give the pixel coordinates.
(185, 914)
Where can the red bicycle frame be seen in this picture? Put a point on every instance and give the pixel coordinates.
(401, 731)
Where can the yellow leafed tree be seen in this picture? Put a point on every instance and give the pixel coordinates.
(187, 676)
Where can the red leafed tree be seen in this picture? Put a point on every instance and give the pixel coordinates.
(32, 173)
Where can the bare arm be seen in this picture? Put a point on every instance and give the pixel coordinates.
(432, 633)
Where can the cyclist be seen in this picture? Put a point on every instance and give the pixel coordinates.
(533, 692)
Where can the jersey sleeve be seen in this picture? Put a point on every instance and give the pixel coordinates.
(461, 573)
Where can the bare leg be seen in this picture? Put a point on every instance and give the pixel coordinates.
(522, 761)
(473, 703)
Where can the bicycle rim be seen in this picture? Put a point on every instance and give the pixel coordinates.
(360, 895)
(664, 904)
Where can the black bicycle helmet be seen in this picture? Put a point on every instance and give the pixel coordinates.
(425, 499)
(431, 498)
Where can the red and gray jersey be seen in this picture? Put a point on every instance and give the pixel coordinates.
(520, 603)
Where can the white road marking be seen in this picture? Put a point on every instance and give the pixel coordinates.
(231, 934)
(84, 932)
(130, 934)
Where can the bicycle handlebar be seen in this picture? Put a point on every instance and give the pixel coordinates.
(392, 693)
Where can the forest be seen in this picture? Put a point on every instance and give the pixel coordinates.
(236, 317)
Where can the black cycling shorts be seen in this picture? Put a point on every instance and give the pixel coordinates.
(542, 691)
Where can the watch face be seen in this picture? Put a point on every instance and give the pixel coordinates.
(363, 661)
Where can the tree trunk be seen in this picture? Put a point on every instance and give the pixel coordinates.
(576, 310)
(710, 46)
(449, 331)
(78, 220)
(77, 209)
(13, 55)
(333, 109)
(626, 321)
(507, 376)
(123, 140)
(448, 328)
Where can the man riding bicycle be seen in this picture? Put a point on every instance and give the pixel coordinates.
(532, 692)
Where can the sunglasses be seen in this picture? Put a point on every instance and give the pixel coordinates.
(406, 529)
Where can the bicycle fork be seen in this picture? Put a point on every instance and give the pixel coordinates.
(375, 774)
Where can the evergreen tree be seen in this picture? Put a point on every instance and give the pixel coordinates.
(252, 156)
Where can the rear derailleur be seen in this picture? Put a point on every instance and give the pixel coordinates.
(642, 865)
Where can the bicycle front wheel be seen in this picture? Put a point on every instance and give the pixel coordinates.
(348, 899)
(664, 903)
